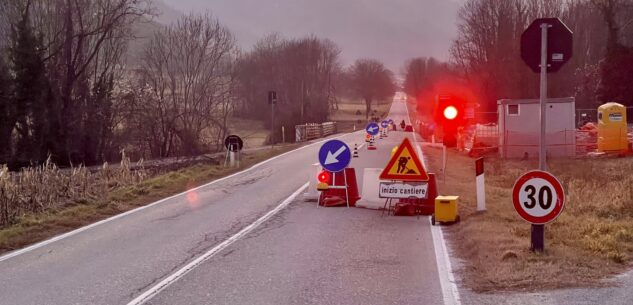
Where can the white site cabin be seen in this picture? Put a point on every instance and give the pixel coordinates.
(519, 127)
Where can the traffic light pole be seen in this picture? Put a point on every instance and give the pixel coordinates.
(538, 231)
(272, 125)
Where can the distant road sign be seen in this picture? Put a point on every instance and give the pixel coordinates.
(372, 129)
(335, 155)
(390, 121)
(233, 143)
(404, 165)
(384, 124)
(538, 197)
(560, 42)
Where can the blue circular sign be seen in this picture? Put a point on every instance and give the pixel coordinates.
(372, 129)
(390, 121)
(384, 124)
(334, 156)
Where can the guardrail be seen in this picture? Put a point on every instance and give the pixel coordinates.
(313, 131)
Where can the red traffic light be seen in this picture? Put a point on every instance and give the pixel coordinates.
(450, 112)
(324, 177)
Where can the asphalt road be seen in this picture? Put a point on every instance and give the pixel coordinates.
(302, 255)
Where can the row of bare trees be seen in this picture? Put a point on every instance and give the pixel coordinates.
(303, 72)
(67, 89)
(487, 50)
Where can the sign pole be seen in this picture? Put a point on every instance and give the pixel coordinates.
(543, 98)
(538, 231)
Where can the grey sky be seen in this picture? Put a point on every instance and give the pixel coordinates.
(388, 30)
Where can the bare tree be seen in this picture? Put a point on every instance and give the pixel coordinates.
(371, 81)
(188, 67)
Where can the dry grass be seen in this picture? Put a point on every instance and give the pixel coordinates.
(346, 116)
(46, 187)
(590, 241)
(95, 196)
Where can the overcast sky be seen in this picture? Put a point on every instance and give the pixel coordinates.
(389, 30)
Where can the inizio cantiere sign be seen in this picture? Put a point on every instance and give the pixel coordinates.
(403, 190)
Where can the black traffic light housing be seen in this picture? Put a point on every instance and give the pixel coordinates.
(450, 115)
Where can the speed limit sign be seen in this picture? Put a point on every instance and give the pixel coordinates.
(538, 197)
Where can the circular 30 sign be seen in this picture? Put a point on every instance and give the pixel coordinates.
(538, 197)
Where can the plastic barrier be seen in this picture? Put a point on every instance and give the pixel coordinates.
(336, 197)
(370, 199)
(311, 193)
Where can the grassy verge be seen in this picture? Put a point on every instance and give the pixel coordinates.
(35, 227)
(590, 241)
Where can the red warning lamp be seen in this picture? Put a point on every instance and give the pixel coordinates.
(324, 177)
(450, 112)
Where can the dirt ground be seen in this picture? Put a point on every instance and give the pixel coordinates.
(591, 241)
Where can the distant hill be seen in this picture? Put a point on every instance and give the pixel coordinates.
(166, 13)
(144, 30)
(388, 30)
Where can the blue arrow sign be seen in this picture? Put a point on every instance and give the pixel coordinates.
(384, 124)
(334, 156)
(372, 129)
(390, 121)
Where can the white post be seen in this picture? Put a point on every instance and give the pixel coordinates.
(481, 185)
(481, 193)
(232, 158)
(283, 135)
(444, 159)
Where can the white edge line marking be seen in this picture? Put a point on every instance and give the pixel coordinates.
(154, 290)
(115, 217)
(450, 292)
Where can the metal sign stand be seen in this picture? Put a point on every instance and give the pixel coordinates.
(388, 203)
(538, 231)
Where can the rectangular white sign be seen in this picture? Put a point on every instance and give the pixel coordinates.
(403, 190)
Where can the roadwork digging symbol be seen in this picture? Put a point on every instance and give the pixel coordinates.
(404, 165)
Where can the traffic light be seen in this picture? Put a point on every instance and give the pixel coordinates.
(449, 116)
(450, 113)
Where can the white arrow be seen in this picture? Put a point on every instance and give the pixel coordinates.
(371, 129)
(332, 157)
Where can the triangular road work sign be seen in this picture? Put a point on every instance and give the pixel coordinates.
(404, 165)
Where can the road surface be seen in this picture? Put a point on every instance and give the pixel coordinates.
(301, 255)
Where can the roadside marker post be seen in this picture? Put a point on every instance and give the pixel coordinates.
(546, 45)
(481, 185)
(233, 145)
